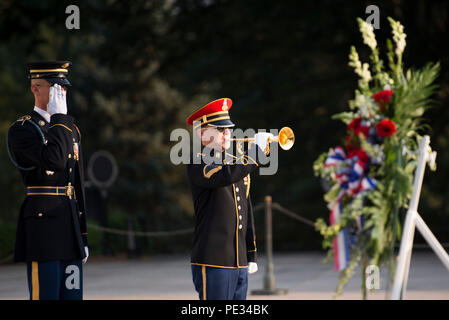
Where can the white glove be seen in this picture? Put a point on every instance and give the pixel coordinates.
(57, 100)
(252, 267)
(261, 139)
(86, 249)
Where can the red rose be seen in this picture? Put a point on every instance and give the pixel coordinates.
(356, 126)
(360, 153)
(385, 128)
(363, 129)
(383, 97)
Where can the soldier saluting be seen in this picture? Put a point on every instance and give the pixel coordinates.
(224, 245)
(51, 234)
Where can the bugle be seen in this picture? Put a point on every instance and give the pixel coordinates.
(285, 138)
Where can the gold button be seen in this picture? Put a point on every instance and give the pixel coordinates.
(70, 155)
(39, 214)
(70, 170)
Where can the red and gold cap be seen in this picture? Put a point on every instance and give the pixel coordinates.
(214, 113)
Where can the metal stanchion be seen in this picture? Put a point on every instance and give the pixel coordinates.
(269, 287)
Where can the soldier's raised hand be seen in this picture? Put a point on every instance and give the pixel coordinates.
(57, 100)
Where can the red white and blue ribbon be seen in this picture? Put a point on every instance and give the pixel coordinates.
(341, 241)
(351, 175)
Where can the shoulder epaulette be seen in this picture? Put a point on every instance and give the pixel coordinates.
(24, 118)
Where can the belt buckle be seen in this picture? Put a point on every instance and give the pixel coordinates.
(69, 191)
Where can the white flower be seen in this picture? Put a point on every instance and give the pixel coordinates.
(366, 104)
(397, 29)
(377, 154)
(365, 74)
(367, 31)
(361, 70)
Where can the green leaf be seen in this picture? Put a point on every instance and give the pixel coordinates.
(332, 194)
(346, 117)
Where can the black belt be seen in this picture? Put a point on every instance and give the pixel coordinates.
(67, 191)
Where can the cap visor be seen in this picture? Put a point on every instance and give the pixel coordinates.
(60, 81)
(222, 124)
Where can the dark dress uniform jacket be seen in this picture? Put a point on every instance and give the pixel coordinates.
(224, 231)
(49, 227)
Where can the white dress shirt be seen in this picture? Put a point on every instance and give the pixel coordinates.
(43, 113)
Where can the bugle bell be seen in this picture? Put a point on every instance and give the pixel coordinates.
(285, 138)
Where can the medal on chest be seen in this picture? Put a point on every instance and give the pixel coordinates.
(75, 151)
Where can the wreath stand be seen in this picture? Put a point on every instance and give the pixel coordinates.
(412, 220)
